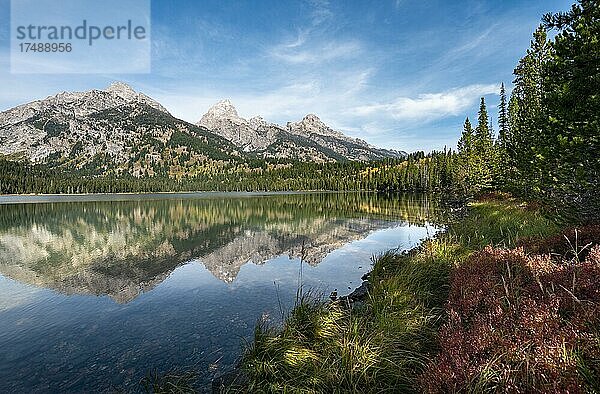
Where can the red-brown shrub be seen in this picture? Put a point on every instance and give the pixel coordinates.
(519, 323)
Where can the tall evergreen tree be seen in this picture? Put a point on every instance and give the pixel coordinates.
(502, 167)
(483, 146)
(466, 158)
(526, 113)
(483, 132)
(502, 118)
(465, 143)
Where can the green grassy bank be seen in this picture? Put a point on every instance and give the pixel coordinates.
(480, 307)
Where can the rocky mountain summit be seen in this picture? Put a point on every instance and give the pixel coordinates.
(311, 124)
(307, 139)
(79, 104)
(223, 119)
(115, 130)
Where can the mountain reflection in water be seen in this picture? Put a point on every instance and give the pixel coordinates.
(123, 248)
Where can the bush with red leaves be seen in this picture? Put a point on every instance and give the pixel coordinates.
(520, 323)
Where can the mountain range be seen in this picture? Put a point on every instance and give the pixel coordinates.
(118, 130)
(307, 139)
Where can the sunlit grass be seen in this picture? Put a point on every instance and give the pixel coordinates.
(501, 223)
(384, 345)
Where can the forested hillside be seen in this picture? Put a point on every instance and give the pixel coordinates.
(546, 147)
(419, 172)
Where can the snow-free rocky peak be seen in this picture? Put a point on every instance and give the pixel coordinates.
(79, 104)
(123, 90)
(309, 139)
(224, 109)
(311, 124)
(126, 92)
(223, 119)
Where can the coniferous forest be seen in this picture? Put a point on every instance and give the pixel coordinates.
(546, 146)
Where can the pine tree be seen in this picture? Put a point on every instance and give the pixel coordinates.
(571, 128)
(483, 133)
(502, 166)
(466, 158)
(525, 144)
(503, 125)
(483, 146)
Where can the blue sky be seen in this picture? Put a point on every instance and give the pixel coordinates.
(400, 74)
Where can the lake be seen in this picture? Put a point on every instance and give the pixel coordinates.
(95, 291)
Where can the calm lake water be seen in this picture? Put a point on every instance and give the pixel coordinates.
(96, 292)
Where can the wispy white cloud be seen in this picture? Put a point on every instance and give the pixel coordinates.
(478, 44)
(289, 101)
(313, 43)
(299, 52)
(429, 106)
(299, 41)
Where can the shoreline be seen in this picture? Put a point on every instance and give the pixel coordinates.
(404, 333)
(132, 196)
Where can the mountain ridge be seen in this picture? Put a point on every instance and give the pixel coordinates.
(114, 131)
(258, 136)
(118, 131)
